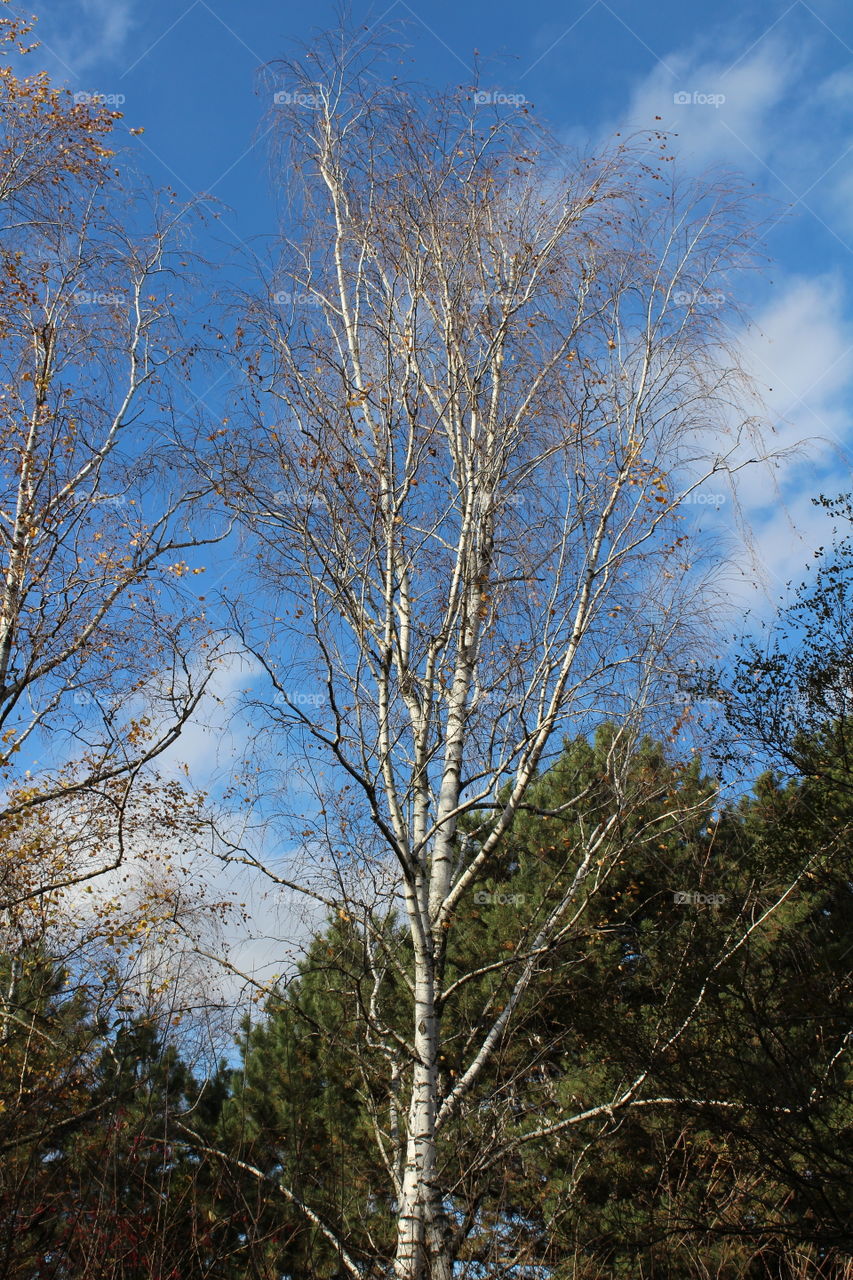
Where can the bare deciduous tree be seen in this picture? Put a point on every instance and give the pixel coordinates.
(100, 658)
(488, 380)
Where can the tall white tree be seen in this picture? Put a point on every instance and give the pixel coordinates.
(486, 377)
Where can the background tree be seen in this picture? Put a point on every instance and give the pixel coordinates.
(94, 1009)
(789, 692)
(95, 1178)
(96, 677)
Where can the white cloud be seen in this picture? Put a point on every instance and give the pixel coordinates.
(216, 737)
(783, 117)
(777, 112)
(84, 35)
(799, 350)
(737, 129)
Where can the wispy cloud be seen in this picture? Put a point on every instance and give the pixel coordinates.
(717, 110)
(800, 351)
(781, 111)
(79, 37)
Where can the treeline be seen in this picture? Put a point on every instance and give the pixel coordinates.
(119, 1161)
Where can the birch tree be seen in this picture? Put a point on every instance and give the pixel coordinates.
(483, 380)
(97, 670)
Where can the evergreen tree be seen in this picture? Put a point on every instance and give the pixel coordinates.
(736, 1150)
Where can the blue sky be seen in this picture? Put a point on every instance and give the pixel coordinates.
(769, 91)
(765, 88)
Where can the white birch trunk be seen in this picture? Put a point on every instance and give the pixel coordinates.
(477, 339)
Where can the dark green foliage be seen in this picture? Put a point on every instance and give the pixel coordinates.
(96, 1179)
(702, 976)
(660, 980)
(118, 1163)
(297, 1113)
